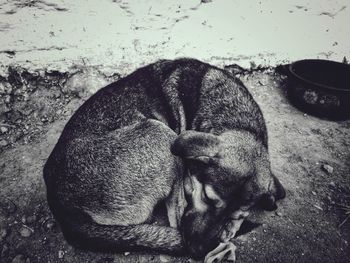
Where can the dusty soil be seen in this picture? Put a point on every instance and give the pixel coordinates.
(308, 154)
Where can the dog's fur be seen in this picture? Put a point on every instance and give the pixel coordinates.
(141, 141)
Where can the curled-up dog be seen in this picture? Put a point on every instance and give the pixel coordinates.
(182, 133)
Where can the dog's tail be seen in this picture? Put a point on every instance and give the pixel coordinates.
(82, 232)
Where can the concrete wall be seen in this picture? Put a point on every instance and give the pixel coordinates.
(125, 34)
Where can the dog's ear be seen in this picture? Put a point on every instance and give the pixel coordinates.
(194, 145)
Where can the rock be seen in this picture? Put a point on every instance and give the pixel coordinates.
(3, 143)
(3, 129)
(49, 224)
(329, 169)
(278, 213)
(332, 184)
(55, 93)
(8, 99)
(25, 232)
(84, 83)
(3, 234)
(2, 88)
(126, 253)
(19, 259)
(164, 258)
(318, 207)
(4, 108)
(313, 192)
(60, 254)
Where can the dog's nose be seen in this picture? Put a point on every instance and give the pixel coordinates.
(268, 202)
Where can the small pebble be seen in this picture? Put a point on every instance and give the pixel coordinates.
(56, 94)
(49, 224)
(25, 232)
(329, 169)
(19, 259)
(164, 258)
(3, 234)
(126, 253)
(3, 129)
(278, 213)
(313, 192)
(332, 184)
(3, 143)
(60, 254)
(318, 207)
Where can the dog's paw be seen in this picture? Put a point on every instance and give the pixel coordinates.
(222, 251)
(231, 229)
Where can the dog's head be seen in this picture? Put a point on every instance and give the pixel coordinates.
(226, 173)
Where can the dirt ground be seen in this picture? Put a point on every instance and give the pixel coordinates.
(308, 154)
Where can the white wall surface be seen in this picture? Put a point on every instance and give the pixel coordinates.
(125, 34)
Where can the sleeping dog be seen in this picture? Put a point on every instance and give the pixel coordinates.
(182, 133)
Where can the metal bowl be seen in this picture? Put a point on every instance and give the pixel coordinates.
(320, 87)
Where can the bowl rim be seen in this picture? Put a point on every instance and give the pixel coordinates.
(327, 87)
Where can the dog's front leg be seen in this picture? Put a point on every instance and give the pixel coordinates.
(176, 204)
(234, 225)
(226, 249)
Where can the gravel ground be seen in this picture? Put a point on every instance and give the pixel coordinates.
(308, 154)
